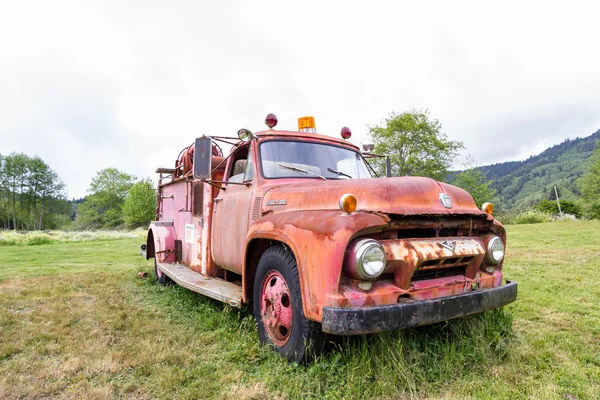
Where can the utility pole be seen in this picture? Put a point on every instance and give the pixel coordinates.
(557, 200)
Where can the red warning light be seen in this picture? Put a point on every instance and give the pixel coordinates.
(271, 120)
(346, 133)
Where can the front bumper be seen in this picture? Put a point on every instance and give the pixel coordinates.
(359, 320)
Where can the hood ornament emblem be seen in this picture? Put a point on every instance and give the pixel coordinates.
(448, 244)
(446, 200)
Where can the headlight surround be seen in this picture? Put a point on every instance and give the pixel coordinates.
(495, 250)
(369, 258)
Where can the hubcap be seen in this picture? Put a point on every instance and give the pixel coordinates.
(276, 308)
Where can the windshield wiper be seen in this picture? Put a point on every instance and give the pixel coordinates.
(301, 170)
(339, 173)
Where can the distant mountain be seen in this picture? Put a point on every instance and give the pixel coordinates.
(523, 183)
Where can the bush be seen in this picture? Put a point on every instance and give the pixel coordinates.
(551, 207)
(37, 238)
(140, 206)
(9, 238)
(532, 217)
(593, 211)
(506, 217)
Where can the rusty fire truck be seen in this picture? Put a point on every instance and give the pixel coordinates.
(298, 225)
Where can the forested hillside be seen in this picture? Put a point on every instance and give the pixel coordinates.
(524, 183)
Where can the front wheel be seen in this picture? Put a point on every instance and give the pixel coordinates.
(278, 308)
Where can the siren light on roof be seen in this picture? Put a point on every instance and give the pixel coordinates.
(346, 133)
(271, 120)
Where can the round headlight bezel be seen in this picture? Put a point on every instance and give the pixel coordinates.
(362, 250)
(492, 247)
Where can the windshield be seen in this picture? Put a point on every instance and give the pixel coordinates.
(289, 159)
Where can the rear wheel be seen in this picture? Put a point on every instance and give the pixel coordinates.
(161, 277)
(278, 308)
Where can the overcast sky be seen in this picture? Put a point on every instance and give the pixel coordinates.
(88, 85)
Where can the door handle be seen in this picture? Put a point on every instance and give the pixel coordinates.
(218, 200)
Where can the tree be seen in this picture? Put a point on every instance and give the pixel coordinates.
(50, 187)
(589, 184)
(42, 184)
(4, 196)
(87, 216)
(102, 208)
(27, 182)
(140, 206)
(474, 181)
(112, 183)
(415, 144)
(15, 169)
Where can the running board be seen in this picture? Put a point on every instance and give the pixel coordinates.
(216, 288)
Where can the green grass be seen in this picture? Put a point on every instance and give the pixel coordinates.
(75, 322)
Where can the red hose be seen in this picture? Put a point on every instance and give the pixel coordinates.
(186, 158)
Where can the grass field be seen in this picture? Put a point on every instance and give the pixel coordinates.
(76, 323)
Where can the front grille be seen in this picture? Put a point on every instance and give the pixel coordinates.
(432, 257)
(416, 233)
(412, 227)
(446, 263)
(422, 274)
(440, 268)
(426, 233)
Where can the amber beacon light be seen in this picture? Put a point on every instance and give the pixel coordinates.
(307, 124)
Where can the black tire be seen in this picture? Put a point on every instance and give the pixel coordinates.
(161, 277)
(305, 339)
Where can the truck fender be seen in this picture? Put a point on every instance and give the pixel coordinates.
(160, 242)
(318, 240)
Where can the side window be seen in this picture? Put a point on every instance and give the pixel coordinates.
(239, 165)
(249, 174)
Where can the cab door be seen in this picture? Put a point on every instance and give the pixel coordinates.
(231, 211)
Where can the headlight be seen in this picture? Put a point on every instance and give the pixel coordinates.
(495, 250)
(370, 258)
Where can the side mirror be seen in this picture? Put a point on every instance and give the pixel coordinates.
(202, 157)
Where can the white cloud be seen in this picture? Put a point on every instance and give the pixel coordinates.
(90, 85)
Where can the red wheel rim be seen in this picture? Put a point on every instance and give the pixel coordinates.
(276, 308)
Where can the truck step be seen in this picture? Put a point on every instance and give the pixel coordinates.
(216, 288)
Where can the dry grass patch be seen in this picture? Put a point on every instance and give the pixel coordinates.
(96, 335)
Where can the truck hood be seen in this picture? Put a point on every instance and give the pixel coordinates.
(401, 195)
